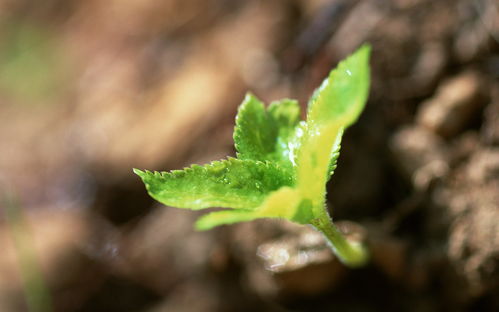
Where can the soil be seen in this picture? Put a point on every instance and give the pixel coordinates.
(91, 89)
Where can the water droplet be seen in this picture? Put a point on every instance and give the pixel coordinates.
(349, 73)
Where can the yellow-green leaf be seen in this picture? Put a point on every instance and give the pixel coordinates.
(231, 183)
(267, 134)
(334, 106)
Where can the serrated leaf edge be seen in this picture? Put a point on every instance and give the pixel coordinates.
(179, 172)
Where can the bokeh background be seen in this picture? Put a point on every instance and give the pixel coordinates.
(90, 89)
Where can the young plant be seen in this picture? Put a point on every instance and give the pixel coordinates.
(282, 163)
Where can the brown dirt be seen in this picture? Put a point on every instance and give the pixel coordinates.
(156, 84)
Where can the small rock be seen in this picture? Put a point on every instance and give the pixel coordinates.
(420, 155)
(301, 262)
(388, 253)
(478, 24)
(490, 126)
(483, 167)
(467, 212)
(454, 106)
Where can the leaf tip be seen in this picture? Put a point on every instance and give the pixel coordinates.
(365, 48)
(202, 225)
(248, 96)
(138, 172)
(364, 52)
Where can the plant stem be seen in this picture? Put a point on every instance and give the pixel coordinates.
(352, 254)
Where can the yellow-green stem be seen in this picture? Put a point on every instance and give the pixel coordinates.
(352, 254)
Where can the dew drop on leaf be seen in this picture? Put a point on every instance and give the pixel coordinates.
(258, 185)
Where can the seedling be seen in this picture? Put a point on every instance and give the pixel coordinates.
(282, 163)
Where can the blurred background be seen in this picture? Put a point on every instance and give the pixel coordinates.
(90, 89)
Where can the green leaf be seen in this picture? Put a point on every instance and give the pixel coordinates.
(283, 164)
(285, 114)
(334, 106)
(337, 144)
(335, 153)
(231, 183)
(262, 134)
(342, 96)
(284, 203)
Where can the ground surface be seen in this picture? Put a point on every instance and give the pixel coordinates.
(90, 89)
